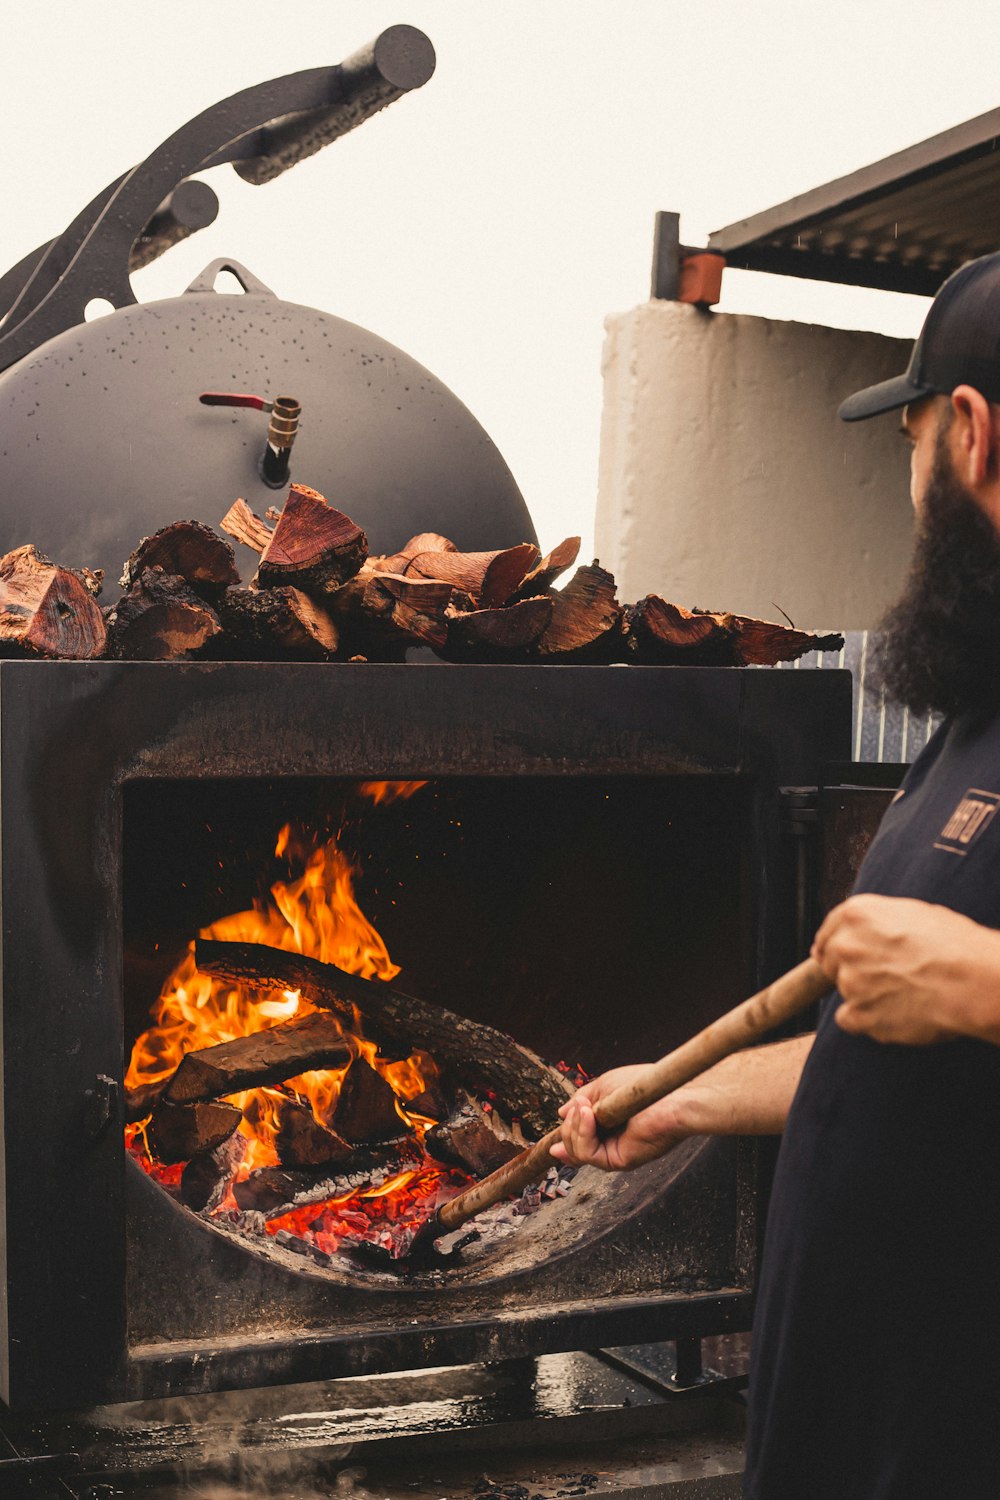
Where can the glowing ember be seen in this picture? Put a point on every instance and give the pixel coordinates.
(315, 913)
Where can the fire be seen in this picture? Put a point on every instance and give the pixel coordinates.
(316, 913)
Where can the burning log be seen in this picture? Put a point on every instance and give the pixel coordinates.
(500, 632)
(274, 623)
(47, 610)
(313, 547)
(188, 550)
(161, 618)
(270, 1056)
(304, 1142)
(205, 1180)
(179, 1131)
(242, 525)
(585, 616)
(140, 1102)
(474, 1054)
(475, 1138)
(366, 1111)
(491, 578)
(552, 564)
(273, 1190)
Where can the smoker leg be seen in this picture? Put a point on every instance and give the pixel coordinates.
(689, 1370)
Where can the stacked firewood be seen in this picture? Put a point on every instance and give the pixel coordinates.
(318, 595)
(487, 1092)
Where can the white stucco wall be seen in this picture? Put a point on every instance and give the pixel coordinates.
(727, 481)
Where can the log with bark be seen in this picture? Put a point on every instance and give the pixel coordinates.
(206, 1178)
(473, 1054)
(490, 578)
(161, 618)
(658, 631)
(313, 547)
(365, 1111)
(46, 610)
(250, 1062)
(585, 618)
(177, 1132)
(270, 624)
(498, 634)
(474, 1137)
(190, 551)
(273, 1191)
(376, 607)
(424, 541)
(762, 643)
(141, 1101)
(303, 1142)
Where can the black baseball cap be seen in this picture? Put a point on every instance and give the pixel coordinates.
(959, 344)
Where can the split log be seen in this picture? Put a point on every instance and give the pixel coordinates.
(252, 1062)
(585, 615)
(376, 606)
(658, 631)
(313, 547)
(262, 624)
(242, 525)
(160, 619)
(762, 643)
(47, 610)
(425, 541)
(93, 581)
(206, 1178)
(491, 578)
(304, 1142)
(179, 1131)
(365, 1111)
(474, 1054)
(190, 551)
(475, 1138)
(498, 633)
(547, 571)
(430, 1103)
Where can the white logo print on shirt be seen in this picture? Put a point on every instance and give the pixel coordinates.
(971, 817)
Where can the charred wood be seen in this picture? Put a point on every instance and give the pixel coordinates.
(190, 551)
(161, 618)
(365, 1111)
(304, 1142)
(46, 610)
(265, 624)
(475, 1138)
(140, 1102)
(472, 1053)
(270, 1056)
(206, 1178)
(313, 547)
(274, 1190)
(179, 1131)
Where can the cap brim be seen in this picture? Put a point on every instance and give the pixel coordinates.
(889, 396)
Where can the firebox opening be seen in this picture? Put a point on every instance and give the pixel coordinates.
(590, 919)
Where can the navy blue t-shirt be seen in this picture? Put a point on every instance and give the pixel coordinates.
(876, 1365)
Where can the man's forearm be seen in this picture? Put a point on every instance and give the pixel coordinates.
(749, 1093)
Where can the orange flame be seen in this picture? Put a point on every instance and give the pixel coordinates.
(316, 914)
(388, 791)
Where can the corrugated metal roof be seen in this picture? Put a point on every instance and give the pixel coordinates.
(902, 224)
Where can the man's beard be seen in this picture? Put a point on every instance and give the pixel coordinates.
(939, 645)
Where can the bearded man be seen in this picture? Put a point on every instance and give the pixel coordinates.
(876, 1363)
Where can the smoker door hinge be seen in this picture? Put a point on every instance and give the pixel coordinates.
(101, 1106)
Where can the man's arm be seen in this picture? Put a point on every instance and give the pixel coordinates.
(911, 972)
(749, 1093)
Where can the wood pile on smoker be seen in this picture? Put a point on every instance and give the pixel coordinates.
(487, 1099)
(318, 595)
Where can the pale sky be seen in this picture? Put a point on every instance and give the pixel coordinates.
(490, 221)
